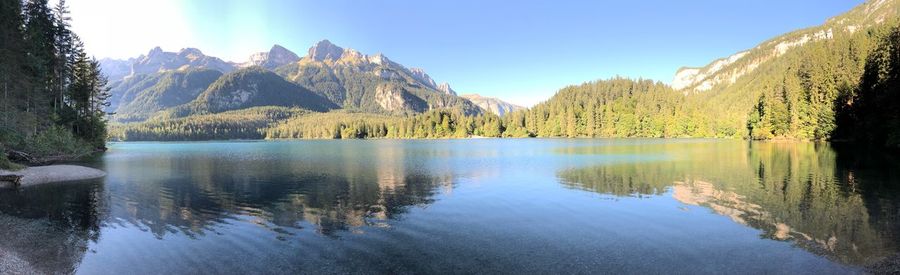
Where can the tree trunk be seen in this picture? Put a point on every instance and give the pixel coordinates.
(6, 102)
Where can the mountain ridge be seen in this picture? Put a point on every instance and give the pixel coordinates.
(726, 70)
(345, 77)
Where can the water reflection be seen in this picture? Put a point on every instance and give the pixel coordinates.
(495, 205)
(194, 189)
(841, 203)
(50, 227)
(190, 193)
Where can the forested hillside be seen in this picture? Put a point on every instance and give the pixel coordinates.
(872, 113)
(145, 95)
(53, 92)
(283, 122)
(798, 94)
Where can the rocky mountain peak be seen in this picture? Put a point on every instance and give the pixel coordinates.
(281, 52)
(191, 54)
(158, 60)
(420, 75)
(379, 59)
(191, 51)
(324, 50)
(155, 51)
(445, 87)
(275, 57)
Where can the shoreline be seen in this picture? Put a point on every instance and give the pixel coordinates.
(37, 175)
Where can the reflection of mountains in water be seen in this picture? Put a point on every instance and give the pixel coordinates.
(837, 205)
(198, 194)
(51, 227)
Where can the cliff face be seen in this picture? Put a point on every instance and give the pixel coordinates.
(493, 105)
(726, 71)
(372, 83)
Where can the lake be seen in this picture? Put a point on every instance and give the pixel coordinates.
(464, 206)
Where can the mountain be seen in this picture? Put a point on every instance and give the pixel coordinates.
(494, 105)
(253, 87)
(274, 58)
(445, 88)
(159, 91)
(157, 61)
(726, 71)
(345, 77)
(420, 75)
(115, 69)
(370, 83)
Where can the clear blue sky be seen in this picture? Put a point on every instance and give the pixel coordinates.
(522, 51)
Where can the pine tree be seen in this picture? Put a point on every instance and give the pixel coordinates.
(40, 35)
(64, 44)
(11, 60)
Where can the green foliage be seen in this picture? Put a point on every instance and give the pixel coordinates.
(792, 96)
(872, 114)
(168, 89)
(239, 124)
(288, 123)
(443, 123)
(617, 107)
(253, 87)
(49, 84)
(56, 141)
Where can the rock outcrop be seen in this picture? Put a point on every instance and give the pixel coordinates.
(276, 57)
(493, 105)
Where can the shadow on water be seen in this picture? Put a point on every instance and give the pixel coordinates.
(51, 226)
(839, 202)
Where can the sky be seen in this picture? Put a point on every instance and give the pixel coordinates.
(520, 51)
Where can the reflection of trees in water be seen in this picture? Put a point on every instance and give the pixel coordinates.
(50, 227)
(836, 204)
(193, 194)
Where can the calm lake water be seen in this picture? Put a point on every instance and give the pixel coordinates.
(460, 206)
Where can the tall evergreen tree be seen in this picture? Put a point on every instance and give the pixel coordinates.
(11, 60)
(65, 58)
(40, 38)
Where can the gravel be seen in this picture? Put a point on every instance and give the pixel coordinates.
(53, 173)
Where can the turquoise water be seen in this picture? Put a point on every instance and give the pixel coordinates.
(463, 206)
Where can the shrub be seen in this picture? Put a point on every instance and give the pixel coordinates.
(56, 141)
